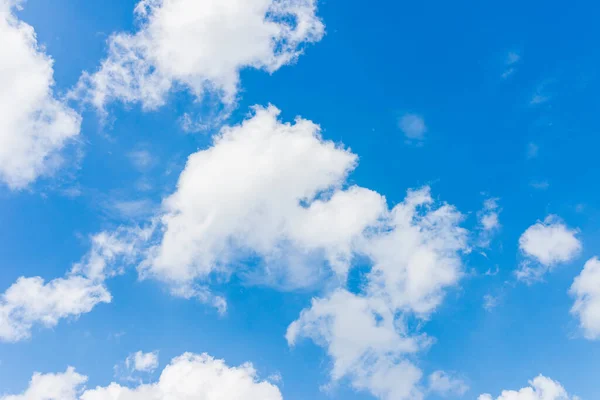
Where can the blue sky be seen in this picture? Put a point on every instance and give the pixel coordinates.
(485, 112)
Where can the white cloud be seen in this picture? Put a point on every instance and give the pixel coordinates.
(30, 301)
(546, 244)
(365, 343)
(34, 125)
(445, 384)
(189, 376)
(201, 47)
(540, 388)
(413, 126)
(268, 189)
(489, 221)
(63, 386)
(142, 362)
(586, 289)
(415, 256)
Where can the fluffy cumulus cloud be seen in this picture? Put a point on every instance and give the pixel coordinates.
(34, 124)
(365, 343)
(32, 301)
(586, 289)
(142, 362)
(264, 189)
(540, 388)
(189, 376)
(62, 386)
(200, 46)
(444, 384)
(546, 244)
(415, 255)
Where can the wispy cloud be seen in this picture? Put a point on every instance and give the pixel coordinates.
(413, 126)
(510, 64)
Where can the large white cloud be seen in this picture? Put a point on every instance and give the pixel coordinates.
(276, 194)
(190, 376)
(34, 125)
(540, 388)
(267, 189)
(546, 244)
(586, 289)
(200, 46)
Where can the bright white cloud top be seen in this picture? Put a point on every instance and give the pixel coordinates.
(540, 388)
(586, 289)
(547, 243)
(268, 189)
(34, 125)
(200, 47)
(188, 376)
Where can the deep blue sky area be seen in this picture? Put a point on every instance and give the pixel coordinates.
(508, 92)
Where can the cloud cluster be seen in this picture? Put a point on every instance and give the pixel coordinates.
(188, 376)
(34, 125)
(200, 47)
(540, 388)
(416, 255)
(272, 199)
(546, 244)
(586, 289)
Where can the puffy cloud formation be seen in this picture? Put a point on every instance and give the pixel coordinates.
(142, 362)
(547, 243)
(365, 343)
(415, 255)
(200, 377)
(540, 388)
(264, 189)
(34, 125)
(64, 386)
(30, 301)
(444, 384)
(586, 289)
(200, 46)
